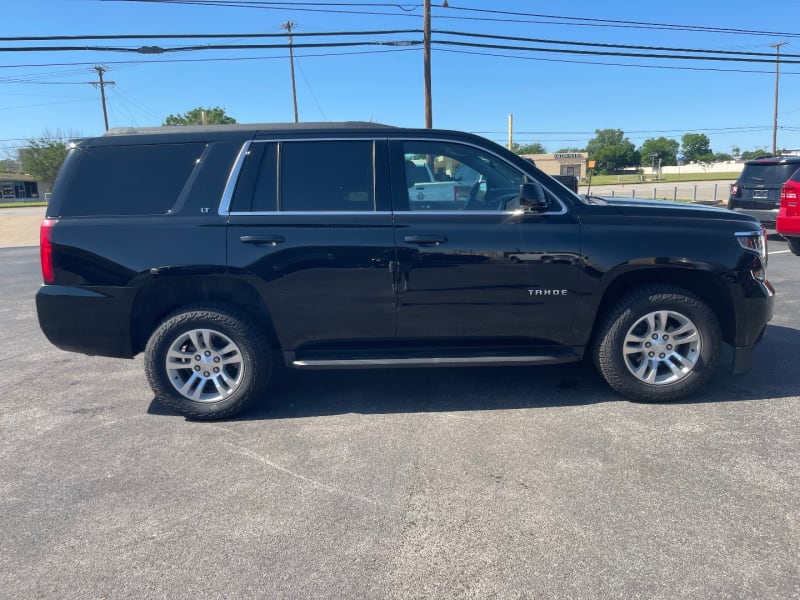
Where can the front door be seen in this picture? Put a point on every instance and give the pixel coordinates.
(471, 265)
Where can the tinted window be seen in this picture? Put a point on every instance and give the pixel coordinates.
(130, 180)
(327, 176)
(257, 187)
(767, 174)
(465, 178)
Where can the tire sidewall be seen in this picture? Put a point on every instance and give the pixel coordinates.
(610, 358)
(215, 320)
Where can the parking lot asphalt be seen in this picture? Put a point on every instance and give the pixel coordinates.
(441, 483)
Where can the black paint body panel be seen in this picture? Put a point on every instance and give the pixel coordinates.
(384, 281)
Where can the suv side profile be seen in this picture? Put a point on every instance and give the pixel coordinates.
(224, 252)
(757, 191)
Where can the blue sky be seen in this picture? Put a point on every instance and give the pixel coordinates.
(556, 99)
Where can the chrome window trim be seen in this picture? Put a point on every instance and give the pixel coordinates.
(230, 185)
(233, 177)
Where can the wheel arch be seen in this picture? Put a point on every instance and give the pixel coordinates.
(707, 286)
(161, 296)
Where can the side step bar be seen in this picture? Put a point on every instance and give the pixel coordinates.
(453, 361)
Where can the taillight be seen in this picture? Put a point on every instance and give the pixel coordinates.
(46, 250)
(789, 198)
(734, 189)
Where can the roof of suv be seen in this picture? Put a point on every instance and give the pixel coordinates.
(266, 127)
(241, 131)
(773, 160)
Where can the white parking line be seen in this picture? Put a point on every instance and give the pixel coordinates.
(780, 252)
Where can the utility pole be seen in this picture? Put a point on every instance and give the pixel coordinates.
(510, 131)
(102, 84)
(426, 44)
(777, 78)
(288, 26)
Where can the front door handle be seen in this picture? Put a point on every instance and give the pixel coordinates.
(426, 240)
(262, 240)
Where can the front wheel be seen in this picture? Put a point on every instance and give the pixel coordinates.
(794, 245)
(208, 362)
(658, 344)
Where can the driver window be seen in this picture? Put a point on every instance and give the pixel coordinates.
(453, 177)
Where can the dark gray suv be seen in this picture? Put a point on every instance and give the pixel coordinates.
(757, 192)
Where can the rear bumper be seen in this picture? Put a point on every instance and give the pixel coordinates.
(86, 320)
(763, 215)
(788, 225)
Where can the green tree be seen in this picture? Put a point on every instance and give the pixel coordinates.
(9, 165)
(612, 150)
(213, 116)
(569, 150)
(697, 147)
(43, 157)
(666, 149)
(751, 154)
(534, 148)
(722, 157)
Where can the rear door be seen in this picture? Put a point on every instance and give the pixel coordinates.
(310, 227)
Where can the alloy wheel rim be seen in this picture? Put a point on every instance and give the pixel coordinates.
(662, 347)
(204, 365)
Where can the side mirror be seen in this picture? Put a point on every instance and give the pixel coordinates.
(531, 197)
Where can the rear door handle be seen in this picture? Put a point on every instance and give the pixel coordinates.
(262, 240)
(426, 240)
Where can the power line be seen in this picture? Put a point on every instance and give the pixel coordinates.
(607, 64)
(160, 50)
(606, 45)
(608, 53)
(203, 60)
(656, 52)
(166, 36)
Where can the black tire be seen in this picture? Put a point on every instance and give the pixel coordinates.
(662, 368)
(219, 361)
(794, 245)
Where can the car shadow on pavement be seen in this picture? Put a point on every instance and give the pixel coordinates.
(295, 394)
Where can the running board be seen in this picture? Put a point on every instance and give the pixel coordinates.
(453, 361)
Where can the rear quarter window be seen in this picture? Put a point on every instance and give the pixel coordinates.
(130, 180)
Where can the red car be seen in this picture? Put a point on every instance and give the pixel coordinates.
(788, 220)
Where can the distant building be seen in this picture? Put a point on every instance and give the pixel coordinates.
(561, 163)
(19, 188)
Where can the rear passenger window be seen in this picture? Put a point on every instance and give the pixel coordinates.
(130, 180)
(327, 176)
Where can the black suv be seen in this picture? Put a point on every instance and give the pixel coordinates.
(757, 192)
(223, 252)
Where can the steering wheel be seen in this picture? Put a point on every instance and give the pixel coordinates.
(493, 200)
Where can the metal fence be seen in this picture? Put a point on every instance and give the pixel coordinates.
(704, 193)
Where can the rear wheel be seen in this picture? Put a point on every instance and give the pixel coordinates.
(208, 362)
(794, 245)
(658, 343)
